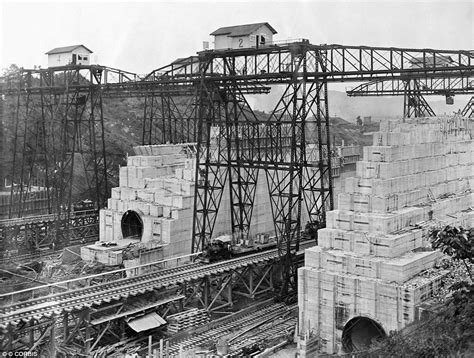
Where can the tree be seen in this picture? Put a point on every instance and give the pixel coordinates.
(449, 329)
(455, 242)
(11, 71)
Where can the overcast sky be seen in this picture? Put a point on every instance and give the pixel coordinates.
(142, 36)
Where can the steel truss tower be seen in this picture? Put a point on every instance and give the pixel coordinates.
(234, 147)
(56, 131)
(414, 104)
(281, 145)
(169, 118)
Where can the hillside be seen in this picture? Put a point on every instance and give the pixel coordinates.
(352, 134)
(123, 130)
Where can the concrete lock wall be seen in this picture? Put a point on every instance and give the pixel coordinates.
(415, 175)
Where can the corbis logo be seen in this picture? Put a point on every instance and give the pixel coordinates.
(20, 354)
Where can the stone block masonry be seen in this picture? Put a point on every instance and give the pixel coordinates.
(158, 185)
(367, 266)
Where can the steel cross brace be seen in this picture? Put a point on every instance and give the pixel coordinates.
(256, 279)
(468, 110)
(52, 127)
(210, 292)
(415, 104)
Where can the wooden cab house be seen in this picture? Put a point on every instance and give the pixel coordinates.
(243, 36)
(69, 55)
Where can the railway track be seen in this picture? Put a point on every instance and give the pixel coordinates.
(86, 297)
(44, 253)
(232, 329)
(78, 299)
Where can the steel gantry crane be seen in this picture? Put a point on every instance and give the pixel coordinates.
(235, 147)
(280, 146)
(58, 116)
(413, 90)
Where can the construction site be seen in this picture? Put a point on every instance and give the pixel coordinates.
(227, 231)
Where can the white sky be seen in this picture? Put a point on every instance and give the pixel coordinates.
(142, 36)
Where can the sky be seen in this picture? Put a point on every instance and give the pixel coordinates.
(142, 36)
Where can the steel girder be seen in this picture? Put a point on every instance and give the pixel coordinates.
(216, 292)
(66, 334)
(255, 280)
(86, 331)
(33, 236)
(448, 86)
(273, 64)
(3, 168)
(228, 131)
(235, 144)
(83, 332)
(240, 149)
(414, 104)
(468, 110)
(414, 89)
(211, 168)
(169, 119)
(53, 80)
(52, 131)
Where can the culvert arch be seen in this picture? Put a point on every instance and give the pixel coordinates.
(132, 225)
(359, 333)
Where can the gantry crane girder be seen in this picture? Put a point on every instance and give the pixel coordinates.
(446, 86)
(413, 89)
(273, 64)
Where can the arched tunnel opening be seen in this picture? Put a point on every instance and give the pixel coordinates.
(132, 225)
(359, 333)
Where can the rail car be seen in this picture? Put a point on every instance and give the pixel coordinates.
(223, 248)
(83, 206)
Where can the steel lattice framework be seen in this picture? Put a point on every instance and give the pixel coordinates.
(414, 89)
(235, 147)
(446, 86)
(468, 110)
(278, 146)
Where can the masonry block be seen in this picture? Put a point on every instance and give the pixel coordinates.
(375, 246)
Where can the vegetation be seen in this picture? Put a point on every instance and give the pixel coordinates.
(449, 330)
(457, 243)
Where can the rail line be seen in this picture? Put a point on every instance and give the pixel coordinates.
(31, 238)
(86, 297)
(232, 329)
